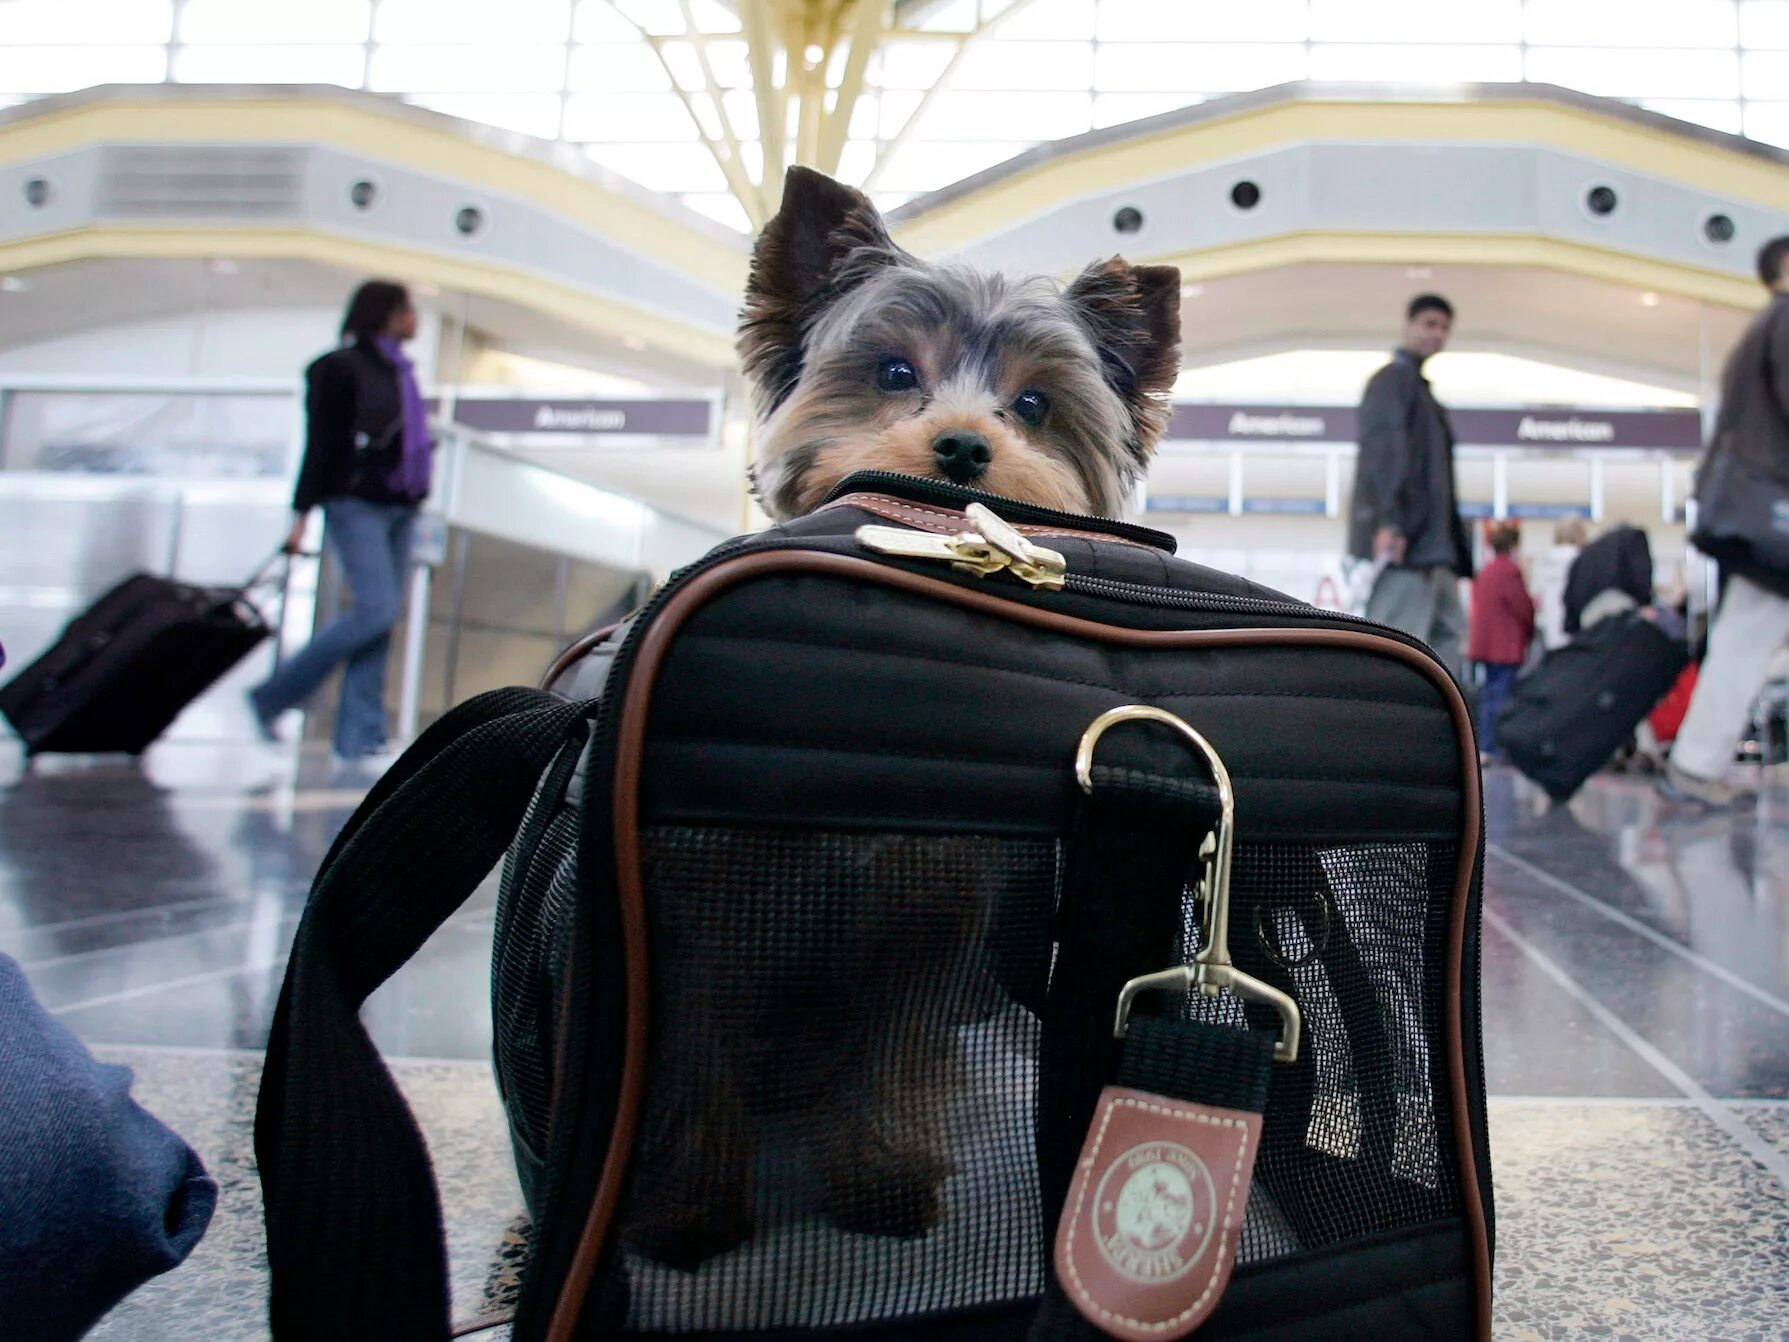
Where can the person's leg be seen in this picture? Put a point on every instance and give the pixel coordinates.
(1748, 629)
(1447, 622)
(357, 533)
(1499, 680)
(360, 723)
(1404, 598)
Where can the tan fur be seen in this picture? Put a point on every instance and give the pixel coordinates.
(832, 299)
(1018, 471)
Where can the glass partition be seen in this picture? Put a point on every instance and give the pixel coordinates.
(182, 434)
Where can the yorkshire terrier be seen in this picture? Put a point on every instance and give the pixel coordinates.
(844, 1043)
(862, 356)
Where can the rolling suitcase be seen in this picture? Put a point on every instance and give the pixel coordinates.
(124, 668)
(1570, 714)
(819, 943)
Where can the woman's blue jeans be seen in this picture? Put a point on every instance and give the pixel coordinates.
(372, 541)
(1500, 680)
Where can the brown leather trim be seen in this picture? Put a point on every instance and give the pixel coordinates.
(576, 653)
(947, 521)
(630, 886)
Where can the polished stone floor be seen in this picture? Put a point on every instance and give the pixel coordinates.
(1636, 998)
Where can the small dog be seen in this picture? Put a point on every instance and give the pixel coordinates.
(830, 1016)
(863, 357)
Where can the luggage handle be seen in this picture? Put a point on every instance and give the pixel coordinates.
(242, 595)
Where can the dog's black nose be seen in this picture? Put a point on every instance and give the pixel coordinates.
(962, 454)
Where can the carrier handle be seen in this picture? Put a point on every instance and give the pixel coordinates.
(354, 1227)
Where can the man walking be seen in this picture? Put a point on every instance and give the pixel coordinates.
(1753, 620)
(1405, 513)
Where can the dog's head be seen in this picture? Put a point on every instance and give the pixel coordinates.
(863, 357)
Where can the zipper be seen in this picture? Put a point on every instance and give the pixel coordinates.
(990, 544)
(995, 546)
(913, 487)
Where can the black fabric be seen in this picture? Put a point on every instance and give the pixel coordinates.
(894, 710)
(354, 428)
(1412, 1284)
(1570, 714)
(1133, 854)
(1124, 872)
(124, 668)
(1619, 560)
(1741, 516)
(1184, 1060)
(354, 1235)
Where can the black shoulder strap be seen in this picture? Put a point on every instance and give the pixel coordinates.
(354, 1233)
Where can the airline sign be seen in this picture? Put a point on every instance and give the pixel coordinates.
(1670, 429)
(601, 418)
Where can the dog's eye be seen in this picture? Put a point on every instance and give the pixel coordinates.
(896, 375)
(1032, 406)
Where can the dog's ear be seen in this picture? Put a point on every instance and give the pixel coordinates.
(1133, 315)
(825, 239)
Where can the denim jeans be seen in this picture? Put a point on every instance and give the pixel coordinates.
(1500, 679)
(372, 541)
(96, 1196)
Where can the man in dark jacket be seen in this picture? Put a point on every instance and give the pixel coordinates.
(1405, 513)
(1753, 621)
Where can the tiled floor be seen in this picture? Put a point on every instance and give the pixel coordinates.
(1636, 1000)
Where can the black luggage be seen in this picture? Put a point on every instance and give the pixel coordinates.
(819, 924)
(1571, 713)
(124, 668)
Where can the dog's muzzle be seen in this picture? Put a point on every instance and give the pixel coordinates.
(962, 454)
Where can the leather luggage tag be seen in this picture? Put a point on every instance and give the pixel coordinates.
(1150, 1226)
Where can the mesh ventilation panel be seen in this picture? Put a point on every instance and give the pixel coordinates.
(839, 1118)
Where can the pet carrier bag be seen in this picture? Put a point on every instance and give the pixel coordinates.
(952, 919)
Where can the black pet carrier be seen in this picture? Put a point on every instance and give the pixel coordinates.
(935, 917)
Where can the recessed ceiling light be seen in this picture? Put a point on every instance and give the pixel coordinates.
(1649, 299)
(814, 54)
(13, 284)
(634, 341)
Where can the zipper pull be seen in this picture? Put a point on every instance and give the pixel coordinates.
(1033, 563)
(965, 550)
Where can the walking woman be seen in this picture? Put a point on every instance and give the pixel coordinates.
(367, 460)
(1499, 632)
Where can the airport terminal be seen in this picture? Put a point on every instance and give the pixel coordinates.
(406, 357)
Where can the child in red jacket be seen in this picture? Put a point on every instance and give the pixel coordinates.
(1502, 624)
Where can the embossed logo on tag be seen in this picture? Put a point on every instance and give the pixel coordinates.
(1149, 1229)
(1153, 1212)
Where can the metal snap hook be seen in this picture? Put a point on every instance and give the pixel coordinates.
(1212, 971)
